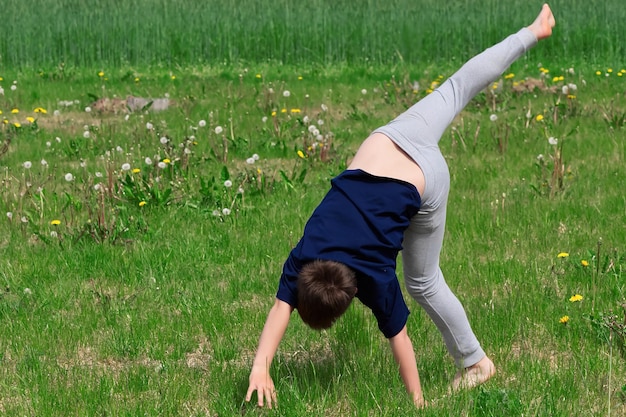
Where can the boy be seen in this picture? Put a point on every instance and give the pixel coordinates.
(392, 197)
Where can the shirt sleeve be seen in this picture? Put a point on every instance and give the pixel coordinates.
(385, 299)
(288, 284)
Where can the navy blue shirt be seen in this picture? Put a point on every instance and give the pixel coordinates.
(360, 223)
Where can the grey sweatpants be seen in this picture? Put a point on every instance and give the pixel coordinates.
(418, 131)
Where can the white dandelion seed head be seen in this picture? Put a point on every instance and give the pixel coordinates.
(48, 144)
(255, 156)
(320, 122)
(312, 128)
(69, 177)
(58, 139)
(27, 165)
(264, 119)
(324, 107)
(565, 90)
(202, 123)
(553, 141)
(286, 93)
(126, 167)
(24, 219)
(240, 190)
(119, 149)
(493, 117)
(9, 215)
(44, 163)
(83, 164)
(306, 119)
(228, 183)
(99, 174)
(54, 234)
(540, 157)
(86, 134)
(218, 130)
(250, 161)
(149, 126)
(56, 113)
(27, 291)
(572, 86)
(148, 161)
(1, 91)
(187, 151)
(216, 213)
(163, 140)
(97, 187)
(226, 211)
(127, 117)
(364, 91)
(162, 165)
(319, 138)
(13, 87)
(87, 109)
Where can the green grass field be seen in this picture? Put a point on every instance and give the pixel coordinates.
(140, 252)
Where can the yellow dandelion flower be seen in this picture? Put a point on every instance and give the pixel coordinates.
(136, 79)
(539, 117)
(142, 203)
(494, 86)
(55, 222)
(5, 121)
(610, 70)
(136, 171)
(0, 111)
(1, 79)
(173, 77)
(15, 111)
(30, 119)
(598, 72)
(295, 110)
(258, 76)
(300, 77)
(274, 113)
(40, 110)
(17, 124)
(571, 96)
(562, 255)
(619, 74)
(575, 298)
(584, 263)
(509, 76)
(101, 74)
(429, 90)
(564, 319)
(166, 161)
(561, 78)
(301, 154)
(283, 110)
(258, 171)
(555, 79)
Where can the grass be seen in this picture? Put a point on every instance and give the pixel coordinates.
(69, 34)
(125, 308)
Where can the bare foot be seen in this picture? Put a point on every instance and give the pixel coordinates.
(474, 375)
(543, 24)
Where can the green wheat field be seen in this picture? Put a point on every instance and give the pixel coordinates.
(158, 161)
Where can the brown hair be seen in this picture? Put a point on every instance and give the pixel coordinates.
(325, 291)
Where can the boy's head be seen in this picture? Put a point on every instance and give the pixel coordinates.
(325, 290)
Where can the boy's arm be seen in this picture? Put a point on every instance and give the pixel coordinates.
(273, 332)
(405, 357)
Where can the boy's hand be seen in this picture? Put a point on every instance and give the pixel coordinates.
(261, 382)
